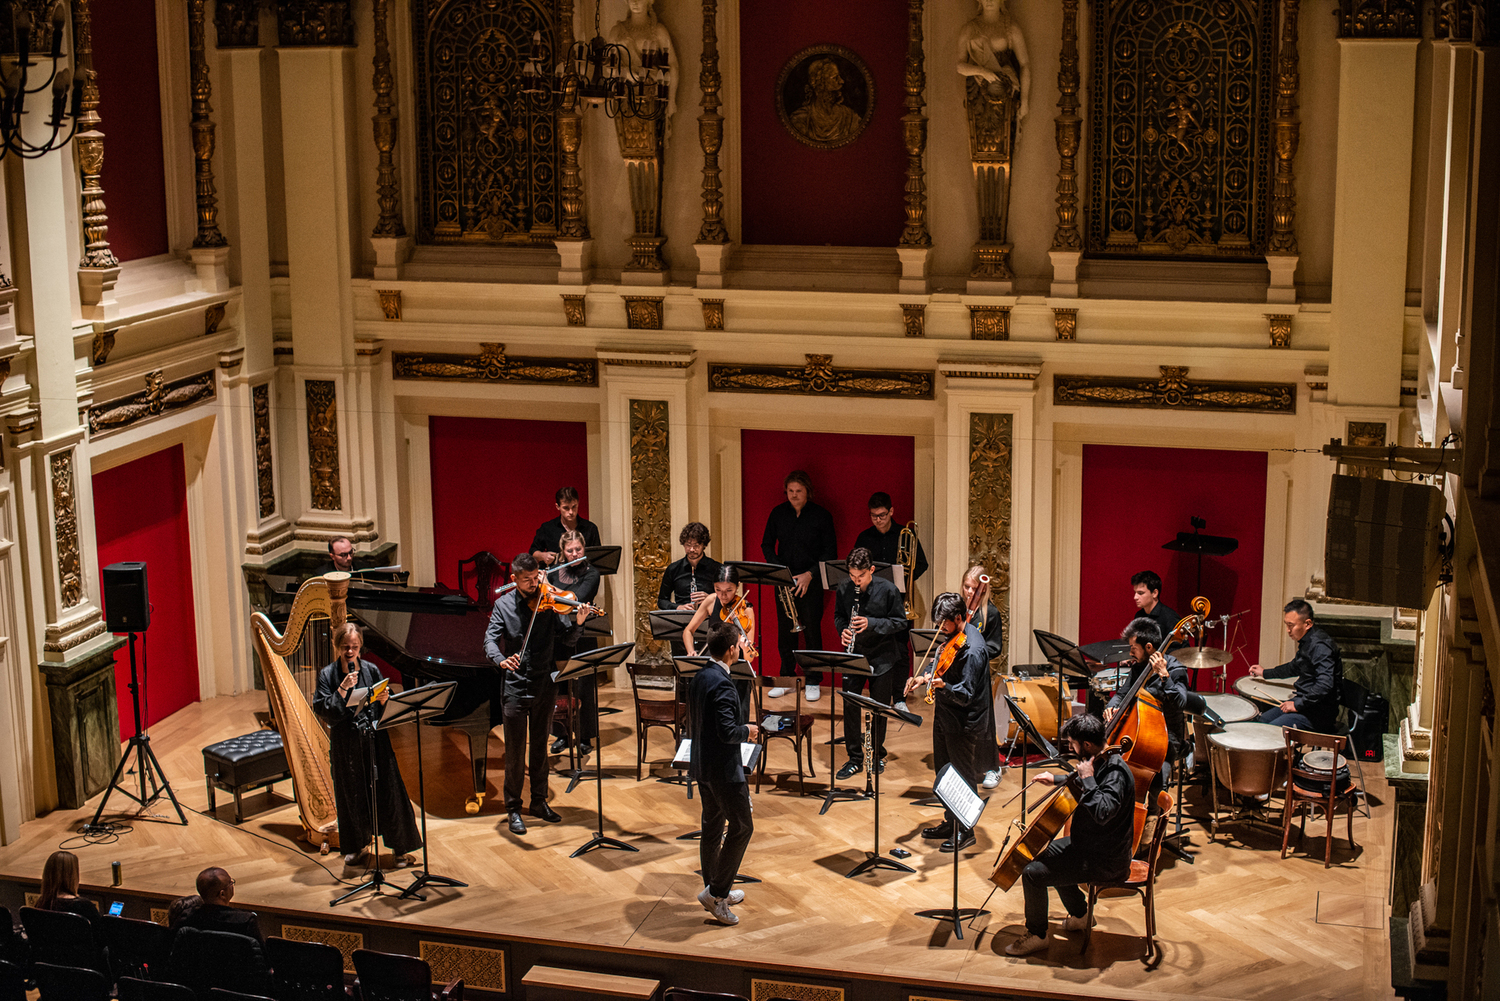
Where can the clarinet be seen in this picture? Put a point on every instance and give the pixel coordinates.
(853, 635)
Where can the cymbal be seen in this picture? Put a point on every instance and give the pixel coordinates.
(1203, 656)
(1108, 651)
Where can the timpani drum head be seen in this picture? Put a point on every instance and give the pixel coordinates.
(1249, 737)
(1231, 708)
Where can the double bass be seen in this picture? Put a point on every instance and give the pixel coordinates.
(1139, 732)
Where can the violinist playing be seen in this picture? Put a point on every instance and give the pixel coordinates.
(1168, 682)
(870, 615)
(1100, 845)
(522, 632)
(727, 605)
(956, 673)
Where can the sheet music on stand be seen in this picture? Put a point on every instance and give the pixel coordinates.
(749, 754)
(958, 796)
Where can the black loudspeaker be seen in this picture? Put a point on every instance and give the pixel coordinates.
(1382, 541)
(127, 604)
(1368, 733)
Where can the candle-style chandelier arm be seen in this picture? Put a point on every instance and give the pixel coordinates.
(602, 74)
(17, 86)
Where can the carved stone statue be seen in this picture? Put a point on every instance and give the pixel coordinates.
(643, 141)
(992, 58)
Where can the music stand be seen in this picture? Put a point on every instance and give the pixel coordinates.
(1066, 656)
(964, 806)
(605, 559)
(587, 664)
(835, 572)
(1201, 545)
(668, 624)
(367, 723)
(843, 663)
(872, 708)
(416, 706)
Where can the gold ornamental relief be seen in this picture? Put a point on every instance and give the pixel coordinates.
(990, 479)
(1173, 391)
(650, 515)
(265, 482)
(819, 377)
(825, 96)
(65, 525)
(323, 445)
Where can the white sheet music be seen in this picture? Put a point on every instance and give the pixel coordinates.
(959, 796)
(748, 754)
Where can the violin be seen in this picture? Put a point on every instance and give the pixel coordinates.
(745, 619)
(942, 660)
(550, 598)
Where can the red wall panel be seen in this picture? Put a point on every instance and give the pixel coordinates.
(796, 195)
(845, 470)
(493, 482)
(1136, 499)
(140, 513)
(134, 178)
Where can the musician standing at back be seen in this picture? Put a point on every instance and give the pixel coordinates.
(583, 581)
(799, 535)
(530, 693)
(1100, 846)
(870, 615)
(546, 544)
(883, 540)
(351, 754)
(1146, 589)
(986, 618)
(1167, 682)
(963, 720)
(688, 581)
(1319, 669)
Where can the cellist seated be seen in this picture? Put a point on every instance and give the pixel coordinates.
(1102, 834)
(1167, 681)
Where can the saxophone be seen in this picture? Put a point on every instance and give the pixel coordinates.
(906, 555)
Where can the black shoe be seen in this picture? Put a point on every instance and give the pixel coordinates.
(964, 842)
(880, 766)
(586, 748)
(851, 768)
(517, 825)
(544, 812)
(938, 833)
(559, 745)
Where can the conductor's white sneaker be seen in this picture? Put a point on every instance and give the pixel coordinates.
(814, 693)
(1026, 946)
(706, 898)
(777, 693)
(991, 779)
(735, 896)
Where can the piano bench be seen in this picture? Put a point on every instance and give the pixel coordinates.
(242, 763)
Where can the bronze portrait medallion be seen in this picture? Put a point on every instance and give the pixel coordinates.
(825, 96)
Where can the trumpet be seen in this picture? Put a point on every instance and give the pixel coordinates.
(788, 600)
(906, 555)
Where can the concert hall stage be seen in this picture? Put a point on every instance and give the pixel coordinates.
(1240, 923)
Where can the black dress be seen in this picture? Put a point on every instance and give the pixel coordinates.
(585, 587)
(352, 754)
(987, 621)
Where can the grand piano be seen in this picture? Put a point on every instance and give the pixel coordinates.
(431, 634)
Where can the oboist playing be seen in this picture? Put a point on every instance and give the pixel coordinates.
(870, 615)
(956, 676)
(1319, 669)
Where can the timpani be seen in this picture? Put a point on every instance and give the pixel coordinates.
(1229, 708)
(1248, 759)
(1267, 692)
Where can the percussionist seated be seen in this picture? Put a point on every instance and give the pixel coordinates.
(1319, 669)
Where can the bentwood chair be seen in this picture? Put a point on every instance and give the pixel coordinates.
(669, 714)
(1318, 779)
(798, 733)
(1142, 880)
(305, 971)
(386, 976)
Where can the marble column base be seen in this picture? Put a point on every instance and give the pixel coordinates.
(914, 264)
(391, 252)
(85, 722)
(712, 257)
(1065, 273)
(1283, 268)
(577, 261)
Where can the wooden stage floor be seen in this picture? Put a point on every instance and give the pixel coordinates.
(1240, 923)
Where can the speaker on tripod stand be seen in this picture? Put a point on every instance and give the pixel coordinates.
(127, 609)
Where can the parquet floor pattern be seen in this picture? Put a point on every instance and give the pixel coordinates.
(1240, 923)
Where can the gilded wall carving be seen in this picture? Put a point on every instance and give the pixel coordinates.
(492, 364)
(315, 22)
(390, 302)
(819, 377)
(90, 145)
(766, 990)
(989, 323)
(713, 314)
(643, 312)
(237, 23)
(159, 397)
(487, 154)
(1379, 18)
(990, 444)
(481, 969)
(1181, 128)
(1065, 323)
(323, 445)
(265, 479)
(914, 318)
(65, 525)
(650, 516)
(202, 126)
(1173, 391)
(574, 309)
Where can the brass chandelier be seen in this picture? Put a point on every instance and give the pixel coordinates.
(603, 75)
(17, 84)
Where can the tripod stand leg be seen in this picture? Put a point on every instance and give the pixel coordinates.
(166, 787)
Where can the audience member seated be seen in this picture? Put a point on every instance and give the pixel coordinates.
(216, 888)
(60, 889)
(181, 909)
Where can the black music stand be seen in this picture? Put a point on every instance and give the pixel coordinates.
(1066, 656)
(595, 626)
(964, 806)
(761, 574)
(668, 624)
(1201, 545)
(605, 559)
(871, 709)
(368, 723)
(417, 706)
(587, 664)
(835, 572)
(843, 663)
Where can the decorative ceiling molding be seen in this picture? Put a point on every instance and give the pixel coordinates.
(819, 377)
(159, 397)
(647, 359)
(1011, 371)
(1174, 391)
(492, 364)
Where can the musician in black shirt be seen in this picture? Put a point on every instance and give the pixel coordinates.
(1319, 669)
(1146, 589)
(883, 537)
(1100, 846)
(984, 616)
(871, 619)
(799, 535)
(546, 544)
(1167, 683)
(687, 581)
(583, 581)
(530, 693)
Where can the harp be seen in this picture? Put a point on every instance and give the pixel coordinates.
(302, 734)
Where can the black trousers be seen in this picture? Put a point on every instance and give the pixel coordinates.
(1298, 721)
(527, 722)
(727, 827)
(882, 689)
(1058, 865)
(810, 613)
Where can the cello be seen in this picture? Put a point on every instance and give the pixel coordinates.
(1139, 732)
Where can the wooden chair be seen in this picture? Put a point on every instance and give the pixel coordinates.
(486, 572)
(1142, 880)
(1313, 783)
(669, 713)
(1352, 697)
(387, 976)
(799, 734)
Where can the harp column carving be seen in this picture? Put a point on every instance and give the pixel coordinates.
(99, 270)
(915, 248)
(1282, 254)
(713, 236)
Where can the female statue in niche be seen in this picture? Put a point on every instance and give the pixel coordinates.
(641, 32)
(992, 59)
(643, 141)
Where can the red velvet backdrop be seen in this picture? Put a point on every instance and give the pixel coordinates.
(845, 470)
(134, 178)
(493, 482)
(794, 194)
(1125, 524)
(140, 513)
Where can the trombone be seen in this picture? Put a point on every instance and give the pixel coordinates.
(906, 555)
